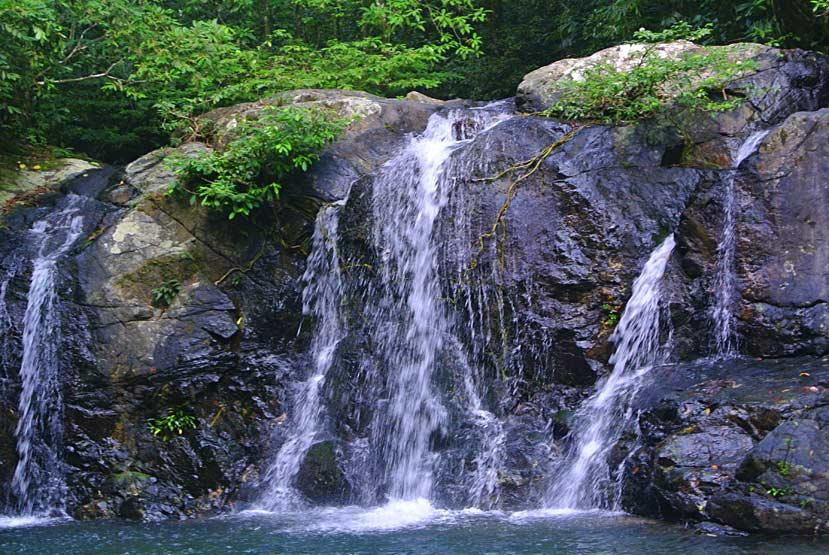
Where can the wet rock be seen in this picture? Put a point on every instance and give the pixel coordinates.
(742, 443)
(321, 478)
(781, 83)
(131, 509)
(571, 237)
(755, 514)
(714, 529)
(784, 241)
(780, 247)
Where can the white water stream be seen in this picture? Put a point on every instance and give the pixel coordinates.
(37, 484)
(321, 297)
(583, 476)
(405, 317)
(725, 281)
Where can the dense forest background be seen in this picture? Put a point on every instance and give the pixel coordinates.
(112, 79)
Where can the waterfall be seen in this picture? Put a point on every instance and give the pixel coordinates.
(37, 484)
(409, 320)
(583, 473)
(402, 314)
(725, 281)
(321, 298)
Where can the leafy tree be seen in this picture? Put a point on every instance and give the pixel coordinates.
(163, 62)
(185, 57)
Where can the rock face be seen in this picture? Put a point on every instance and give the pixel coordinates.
(544, 229)
(781, 250)
(742, 443)
(782, 81)
(223, 349)
(21, 187)
(785, 240)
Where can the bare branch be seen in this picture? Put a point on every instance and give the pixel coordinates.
(79, 44)
(103, 74)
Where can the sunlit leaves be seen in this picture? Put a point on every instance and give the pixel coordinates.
(252, 169)
(692, 82)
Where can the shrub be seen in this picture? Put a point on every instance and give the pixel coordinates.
(252, 168)
(679, 30)
(173, 424)
(695, 82)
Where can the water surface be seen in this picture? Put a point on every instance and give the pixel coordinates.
(409, 528)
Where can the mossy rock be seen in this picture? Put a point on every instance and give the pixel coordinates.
(320, 477)
(178, 266)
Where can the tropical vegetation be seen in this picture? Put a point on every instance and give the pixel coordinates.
(112, 78)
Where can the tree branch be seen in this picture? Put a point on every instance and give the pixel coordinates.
(103, 74)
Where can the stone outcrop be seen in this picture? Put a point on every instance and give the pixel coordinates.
(781, 81)
(742, 443)
(25, 186)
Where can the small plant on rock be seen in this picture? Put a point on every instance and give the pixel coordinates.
(784, 469)
(175, 423)
(164, 294)
(777, 492)
(611, 315)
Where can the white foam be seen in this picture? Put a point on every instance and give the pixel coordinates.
(557, 512)
(394, 515)
(399, 514)
(23, 521)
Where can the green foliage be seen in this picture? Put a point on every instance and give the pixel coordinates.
(784, 469)
(679, 30)
(778, 492)
(611, 315)
(252, 169)
(162, 63)
(164, 294)
(694, 82)
(173, 424)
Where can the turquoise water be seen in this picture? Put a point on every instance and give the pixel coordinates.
(412, 528)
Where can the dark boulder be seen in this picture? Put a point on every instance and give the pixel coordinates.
(743, 443)
(321, 478)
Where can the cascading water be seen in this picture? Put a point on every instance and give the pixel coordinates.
(583, 472)
(725, 281)
(491, 454)
(409, 323)
(321, 298)
(37, 484)
(405, 317)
